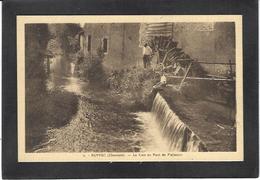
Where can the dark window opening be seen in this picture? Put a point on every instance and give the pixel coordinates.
(89, 42)
(105, 45)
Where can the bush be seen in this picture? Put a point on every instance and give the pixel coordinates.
(91, 68)
(134, 86)
(36, 39)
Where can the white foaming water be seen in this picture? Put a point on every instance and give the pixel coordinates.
(163, 131)
(151, 137)
(179, 137)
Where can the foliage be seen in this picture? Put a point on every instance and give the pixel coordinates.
(36, 39)
(90, 67)
(64, 43)
(53, 47)
(134, 85)
(65, 35)
(47, 111)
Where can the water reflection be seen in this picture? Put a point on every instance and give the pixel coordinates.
(70, 84)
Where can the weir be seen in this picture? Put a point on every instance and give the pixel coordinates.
(179, 137)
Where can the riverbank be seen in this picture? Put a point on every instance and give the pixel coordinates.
(211, 120)
(100, 123)
(96, 119)
(43, 112)
(97, 127)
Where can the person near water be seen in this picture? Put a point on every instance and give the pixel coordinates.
(147, 52)
(160, 85)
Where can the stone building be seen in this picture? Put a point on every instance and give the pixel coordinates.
(119, 42)
(212, 43)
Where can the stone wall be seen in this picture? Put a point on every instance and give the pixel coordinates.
(123, 43)
(208, 42)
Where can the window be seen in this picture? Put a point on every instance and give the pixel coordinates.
(81, 41)
(105, 45)
(89, 42)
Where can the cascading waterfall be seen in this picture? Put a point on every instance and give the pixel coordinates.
(180, 138)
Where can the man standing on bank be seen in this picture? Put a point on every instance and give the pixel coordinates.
(147, 53)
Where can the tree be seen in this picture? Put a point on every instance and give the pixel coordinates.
(64, 36)
(36, 39)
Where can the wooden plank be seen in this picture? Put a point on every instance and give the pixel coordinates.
(157, 32)
(200, 78)
(156, 35)
(179, 60)
(203, 62)
(158, 24)
(216, 76)
(159, 29)
(182, 81)
(166, 54)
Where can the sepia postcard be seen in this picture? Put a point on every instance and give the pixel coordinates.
(130, 88)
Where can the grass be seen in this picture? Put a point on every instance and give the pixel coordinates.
(46, 111)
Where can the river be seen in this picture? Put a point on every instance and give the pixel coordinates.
(110, 128)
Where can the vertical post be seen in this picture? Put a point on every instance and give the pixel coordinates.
(48, 65)
(186, 74)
